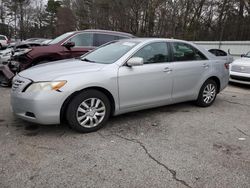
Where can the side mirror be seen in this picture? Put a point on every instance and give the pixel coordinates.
(69, 44)
(135, 61)
(242, 55)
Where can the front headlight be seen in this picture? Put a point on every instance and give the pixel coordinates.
(45, 86)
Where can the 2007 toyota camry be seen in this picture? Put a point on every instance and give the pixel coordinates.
(119, 77)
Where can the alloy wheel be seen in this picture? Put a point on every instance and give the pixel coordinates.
(90, 112)
(209, 93)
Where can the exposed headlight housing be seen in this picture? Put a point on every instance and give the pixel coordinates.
(45, 86)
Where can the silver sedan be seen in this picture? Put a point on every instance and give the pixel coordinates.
(117, 78)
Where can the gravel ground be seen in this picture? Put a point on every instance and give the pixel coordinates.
(174, 146)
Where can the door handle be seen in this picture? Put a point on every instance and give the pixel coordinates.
(167, 70)
(205, 65)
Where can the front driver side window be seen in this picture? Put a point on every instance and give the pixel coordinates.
(154, 53)
(186, 52)
(83, 39)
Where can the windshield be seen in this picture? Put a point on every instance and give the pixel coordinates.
(61, 37)
(247, 55)
(109, 53)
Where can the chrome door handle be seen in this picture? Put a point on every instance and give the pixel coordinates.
(168, 70)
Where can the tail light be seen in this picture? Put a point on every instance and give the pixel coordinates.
(226, 66)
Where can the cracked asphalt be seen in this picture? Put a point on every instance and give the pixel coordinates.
(173, 146)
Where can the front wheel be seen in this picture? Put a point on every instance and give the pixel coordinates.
(88, 111)
(207, 94)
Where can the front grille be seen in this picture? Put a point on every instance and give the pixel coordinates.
(242, 69)
(19, 83)
(241, 78)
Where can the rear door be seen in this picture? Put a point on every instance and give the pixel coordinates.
(150, 83)
(190, 66)
(83, 44)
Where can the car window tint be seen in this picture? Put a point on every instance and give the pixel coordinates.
(221, 53)
(218, 52)
(83, 39)
(101, 39)
(121, 37)
(154, 53)
(186, 52)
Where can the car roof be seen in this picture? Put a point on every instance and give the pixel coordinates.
(155, 40)
(107, 32)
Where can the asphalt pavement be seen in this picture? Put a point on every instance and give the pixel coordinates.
(180, 145)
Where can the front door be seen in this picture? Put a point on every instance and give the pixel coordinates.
(147, 84)
(83, 44)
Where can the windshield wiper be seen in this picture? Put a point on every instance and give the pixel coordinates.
(85, 59)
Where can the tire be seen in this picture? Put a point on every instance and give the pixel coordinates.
(1, 47)
(210, 89)
(86, 107)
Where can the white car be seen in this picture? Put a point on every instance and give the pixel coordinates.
(119, 77)
(5, 55)
(240, 70)
(4, 41)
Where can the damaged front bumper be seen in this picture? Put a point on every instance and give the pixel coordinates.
(8, 71)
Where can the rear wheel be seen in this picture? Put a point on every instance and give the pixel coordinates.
(88, 111)
(208, 93)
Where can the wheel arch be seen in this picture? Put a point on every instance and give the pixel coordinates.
(70, 97)
(217, 81)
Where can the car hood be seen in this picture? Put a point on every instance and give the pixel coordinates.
(52, 70)
(242, 61)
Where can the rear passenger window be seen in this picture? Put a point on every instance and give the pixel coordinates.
(154, 53)
(84, 39)
(186, 52)
(101, 39)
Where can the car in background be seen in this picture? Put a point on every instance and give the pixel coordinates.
(69, 45)
(47, 41)
(15, 50)
(37, 40)
(5, 55)
(119, 77)
(4, 41)
(240, 70)
(222, 55)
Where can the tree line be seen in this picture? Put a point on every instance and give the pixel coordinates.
(184, 19)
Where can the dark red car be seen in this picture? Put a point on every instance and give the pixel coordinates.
(69, 45)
